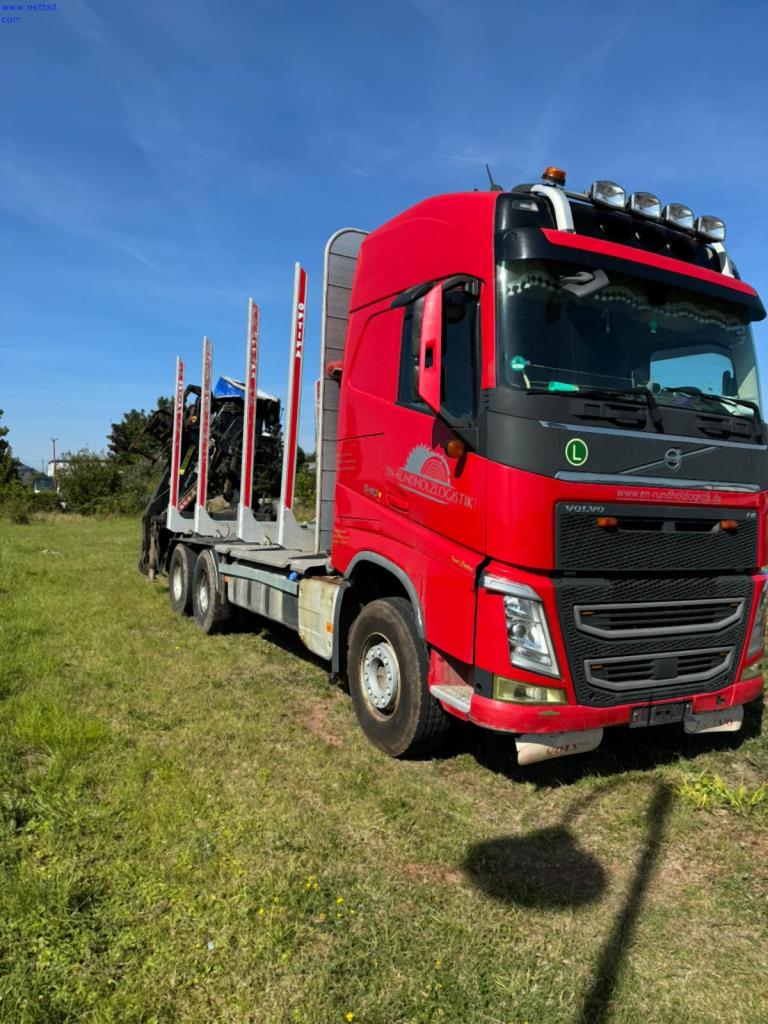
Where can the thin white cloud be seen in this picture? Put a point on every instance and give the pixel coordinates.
(52, 197)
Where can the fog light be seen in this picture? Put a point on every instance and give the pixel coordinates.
(711, 228)
(645, 205)
(608, 193)
(753, 671)
(678, 216)
(515, 692)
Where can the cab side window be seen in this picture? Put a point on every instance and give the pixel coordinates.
(458, 391)
(407, 391)
(460, 347)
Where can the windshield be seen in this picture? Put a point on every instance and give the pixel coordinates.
(565, 328)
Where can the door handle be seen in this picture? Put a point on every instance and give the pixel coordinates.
(397, 500)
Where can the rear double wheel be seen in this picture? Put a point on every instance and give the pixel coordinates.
(387, 667)
(210, 607)
(181, 573)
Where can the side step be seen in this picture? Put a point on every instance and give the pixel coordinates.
(457, 696)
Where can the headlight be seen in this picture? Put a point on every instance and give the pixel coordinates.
(530, 645)
(756, 637)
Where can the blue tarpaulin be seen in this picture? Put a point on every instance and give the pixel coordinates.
(228, 387)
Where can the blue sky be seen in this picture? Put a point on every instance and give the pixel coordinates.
(161, 160)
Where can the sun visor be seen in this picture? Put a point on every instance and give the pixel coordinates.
(597, 253)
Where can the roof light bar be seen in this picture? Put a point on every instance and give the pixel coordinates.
(678, 216)
(645, 204)
(607, 193)
(711, 228)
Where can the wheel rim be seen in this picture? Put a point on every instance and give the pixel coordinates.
(202, 594)
(380, 675)
(177, 583)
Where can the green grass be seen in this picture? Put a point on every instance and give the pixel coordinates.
(192, 829)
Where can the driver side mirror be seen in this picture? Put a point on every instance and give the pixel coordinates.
(431, 348)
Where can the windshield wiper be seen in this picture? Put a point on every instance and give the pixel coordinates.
(694, 392)
(608, 393)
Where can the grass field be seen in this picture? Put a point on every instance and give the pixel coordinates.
(192, 829)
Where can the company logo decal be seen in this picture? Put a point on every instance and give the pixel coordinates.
(426, 472)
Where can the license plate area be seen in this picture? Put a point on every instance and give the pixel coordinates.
(661, 714)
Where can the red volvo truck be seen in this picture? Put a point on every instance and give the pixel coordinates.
(541, 476)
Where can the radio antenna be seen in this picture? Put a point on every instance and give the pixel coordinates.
(492, 184)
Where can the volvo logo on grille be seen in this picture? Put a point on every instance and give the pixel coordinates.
(673, 458)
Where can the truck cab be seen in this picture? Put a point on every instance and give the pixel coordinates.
(549, 436)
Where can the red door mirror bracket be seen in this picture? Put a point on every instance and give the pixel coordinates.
(431, 348)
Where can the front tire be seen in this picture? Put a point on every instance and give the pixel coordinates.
(211, 609)
(181, 574)
(387, 667)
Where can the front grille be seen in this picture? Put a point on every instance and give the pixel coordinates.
(657, 664)
(651, 670)
(655, 539)
(657, 618)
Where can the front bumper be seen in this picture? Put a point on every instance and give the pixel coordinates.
(517, 718)
(587, 708)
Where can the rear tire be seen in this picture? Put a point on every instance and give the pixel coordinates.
(211, 609)
(387, 668)
(181, 573)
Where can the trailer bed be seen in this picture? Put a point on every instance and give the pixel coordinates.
(273, 556)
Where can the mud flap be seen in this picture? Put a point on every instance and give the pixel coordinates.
(534, 747)
(727, 720)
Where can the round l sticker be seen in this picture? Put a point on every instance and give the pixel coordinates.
(576, 451)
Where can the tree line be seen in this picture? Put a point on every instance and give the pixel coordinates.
(118, 480)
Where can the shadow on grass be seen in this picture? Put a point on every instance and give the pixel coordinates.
(548, 870)
(596, 1008)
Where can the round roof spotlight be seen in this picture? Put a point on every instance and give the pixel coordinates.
(607, 193)
(711, 228)
(645, 204)
(554, 176)
(678, 216)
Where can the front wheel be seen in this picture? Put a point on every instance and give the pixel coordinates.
(387, 665)
(211, 609)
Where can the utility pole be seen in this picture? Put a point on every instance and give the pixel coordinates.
(53, 443)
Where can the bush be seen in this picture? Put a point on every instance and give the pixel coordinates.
(89, 482)
(16, 505)
(305, 495)
(46, 501)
